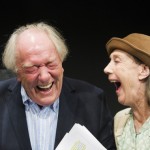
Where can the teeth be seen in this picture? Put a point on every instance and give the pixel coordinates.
(45, 86)
(113, 81)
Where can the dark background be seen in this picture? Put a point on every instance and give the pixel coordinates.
(86, 26)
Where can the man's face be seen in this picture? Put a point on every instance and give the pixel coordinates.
(39, 67)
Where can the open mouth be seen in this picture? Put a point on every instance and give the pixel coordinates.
(45, 87)
(117, 85)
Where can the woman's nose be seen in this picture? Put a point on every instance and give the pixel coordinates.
(108, 69)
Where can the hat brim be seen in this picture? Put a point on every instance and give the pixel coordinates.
(118, 43)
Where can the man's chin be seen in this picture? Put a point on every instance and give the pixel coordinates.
(46, 102)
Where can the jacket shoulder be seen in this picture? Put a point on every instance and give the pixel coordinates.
(7, 84)
(81, 85)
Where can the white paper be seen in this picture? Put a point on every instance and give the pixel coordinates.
(79, 138)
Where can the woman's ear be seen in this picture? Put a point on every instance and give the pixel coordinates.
(144, 72)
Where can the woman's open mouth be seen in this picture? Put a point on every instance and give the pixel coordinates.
(117, 85)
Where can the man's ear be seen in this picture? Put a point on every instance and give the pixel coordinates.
(144, 71)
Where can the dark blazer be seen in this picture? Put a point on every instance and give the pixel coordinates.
(80, 102)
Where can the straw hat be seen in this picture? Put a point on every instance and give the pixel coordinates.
(135, 44)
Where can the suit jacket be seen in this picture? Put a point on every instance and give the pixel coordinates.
(80, 102)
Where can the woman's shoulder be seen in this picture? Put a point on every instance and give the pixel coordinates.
(120, 120)
(123, 112)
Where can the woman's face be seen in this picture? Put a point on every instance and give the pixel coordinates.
(123, 71)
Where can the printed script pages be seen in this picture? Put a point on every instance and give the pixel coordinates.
(79, 138)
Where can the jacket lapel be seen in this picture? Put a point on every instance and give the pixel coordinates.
(17, 116)
(67, 108)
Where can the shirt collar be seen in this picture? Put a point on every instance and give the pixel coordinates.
(27, 101)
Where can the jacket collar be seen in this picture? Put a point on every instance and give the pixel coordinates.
(17, 114)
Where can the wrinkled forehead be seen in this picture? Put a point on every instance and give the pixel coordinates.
(125, 55)
(34, 40)
(32, 35)
(119, 52)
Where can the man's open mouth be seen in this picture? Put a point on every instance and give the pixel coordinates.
(45, 87)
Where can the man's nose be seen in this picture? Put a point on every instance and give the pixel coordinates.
(44, 73)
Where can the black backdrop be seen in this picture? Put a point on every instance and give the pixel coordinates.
(86, 26)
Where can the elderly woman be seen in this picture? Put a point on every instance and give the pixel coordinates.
(129, 70)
